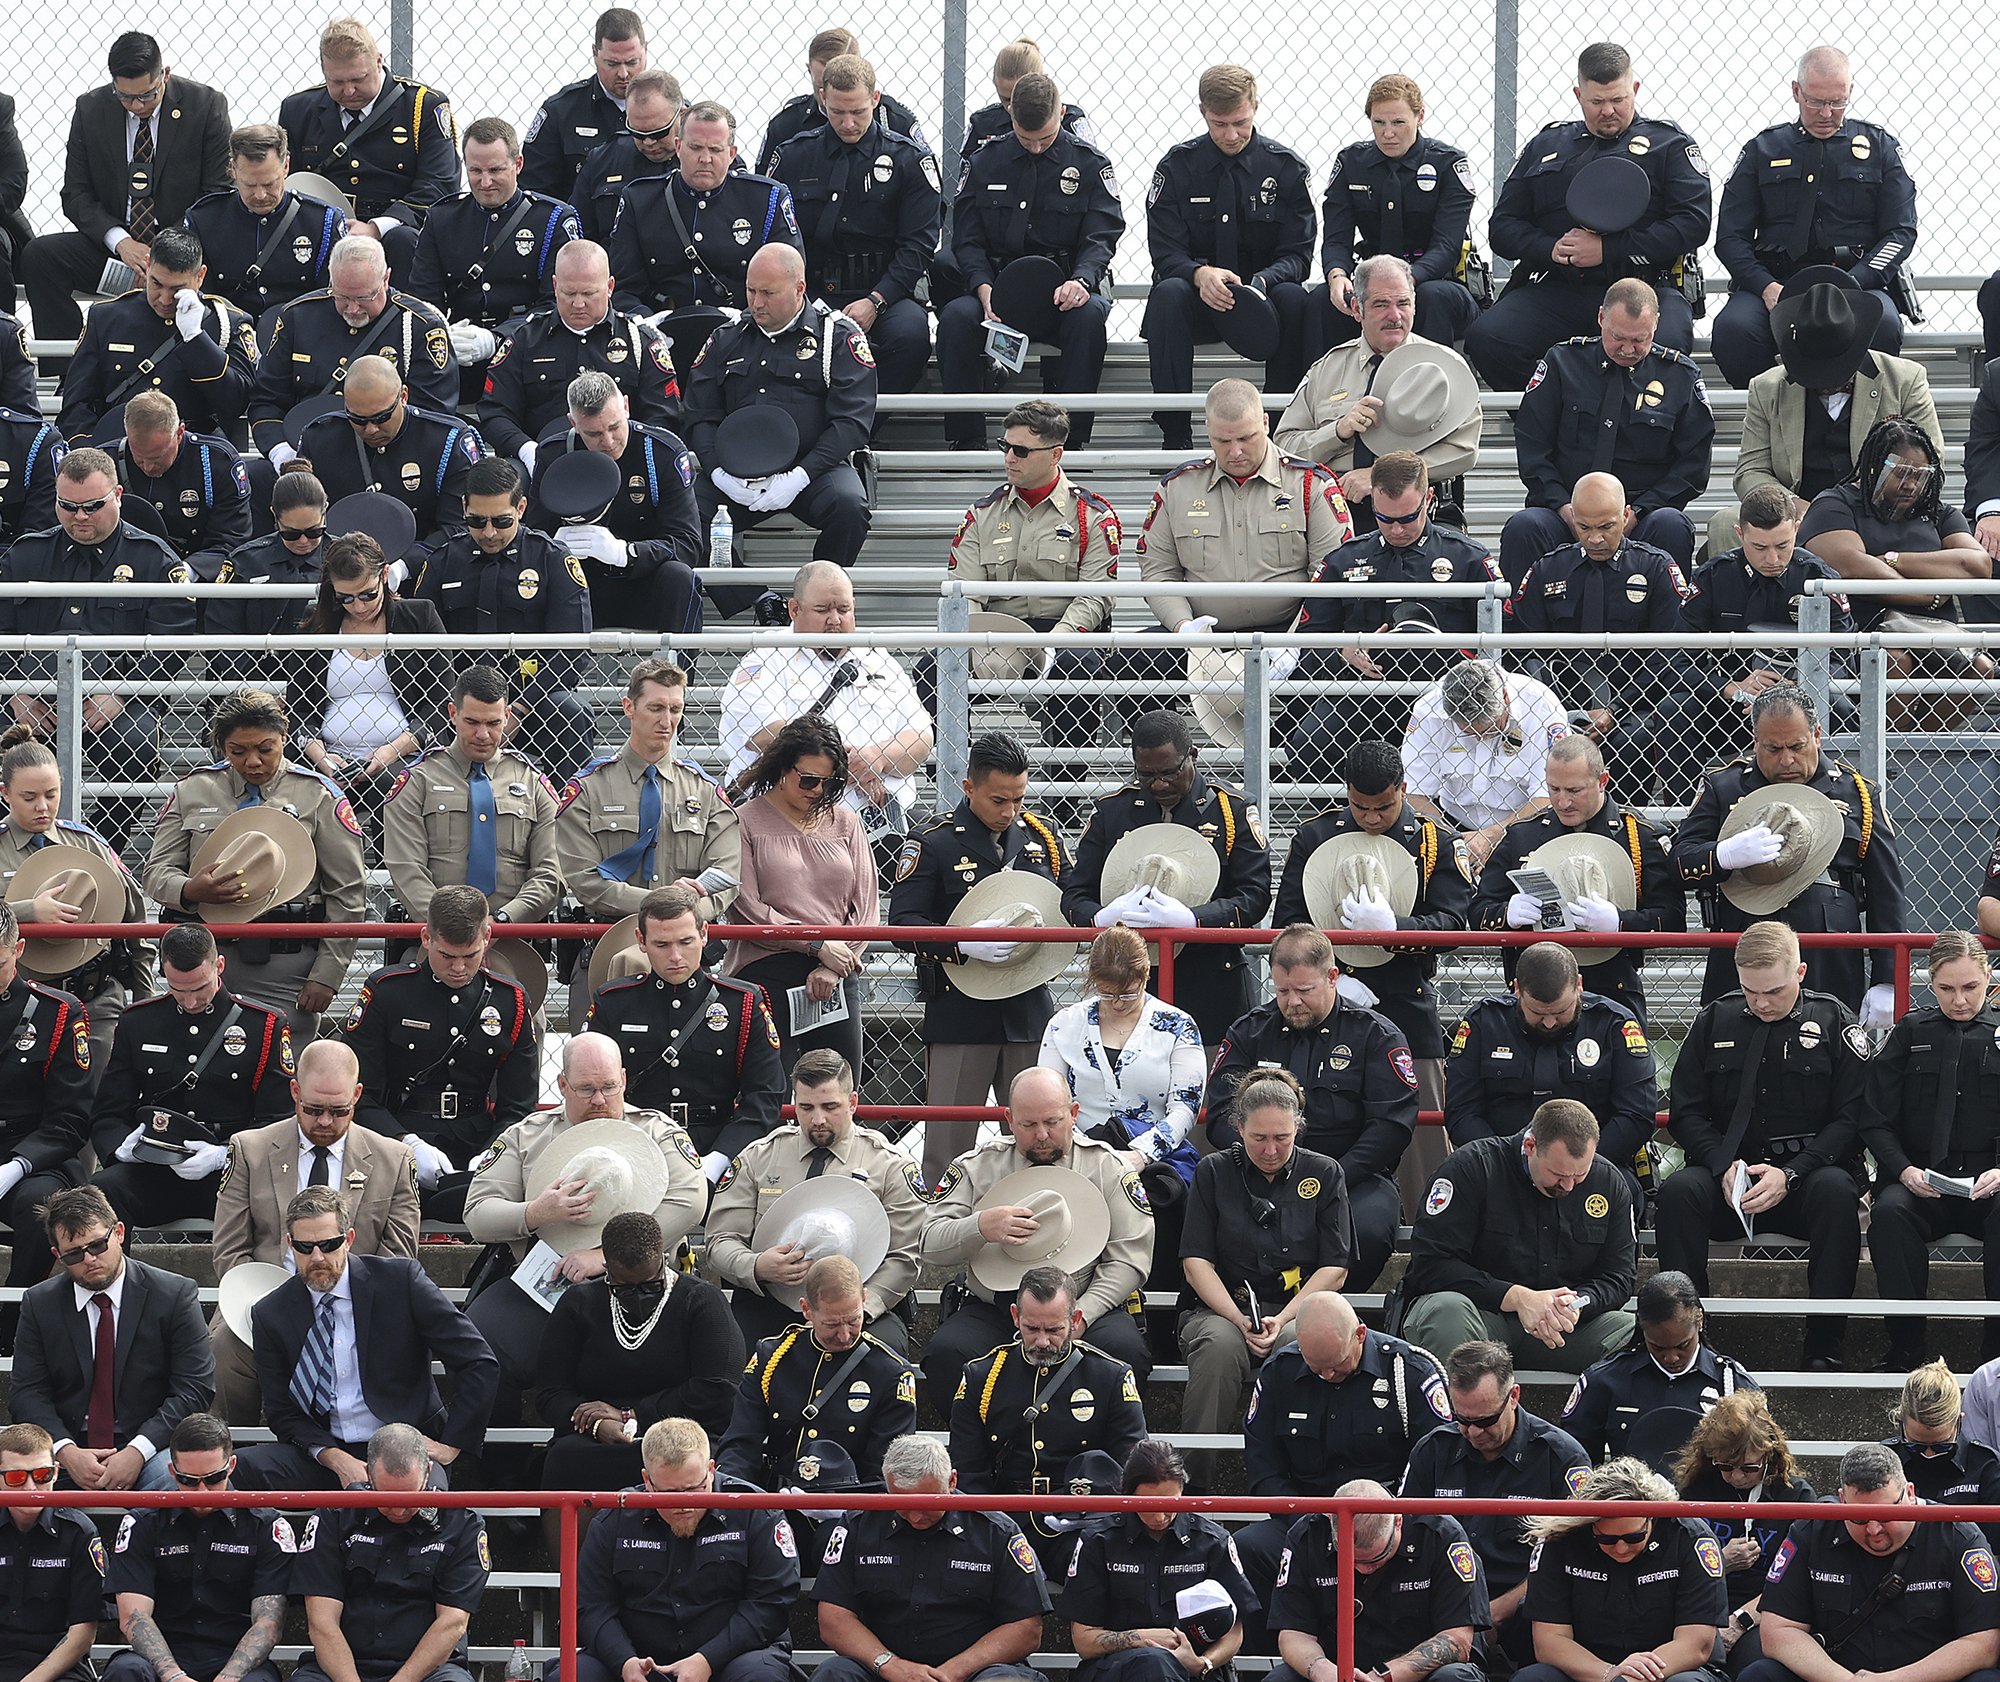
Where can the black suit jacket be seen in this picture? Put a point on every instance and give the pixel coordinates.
(165, 1365)
(191, 156)
(418, 677)
(401, 1323)
(13, 178)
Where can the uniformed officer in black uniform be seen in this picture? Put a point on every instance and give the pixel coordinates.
(1231, 204)
(1771, 1079)
(870, 204)
(1359, 1077)
(389, 143)
(1823, 188)
(989, 122)
(1024, 1411)
(31, 449)
(194, 481)
(265, 244)
(1863, 886)
(18, 389)
(576, 120)
(1039, 191)
(638, 147)
(289, 554)
(1561, 270)
(394, 1575)
(51, 1571)
(1943, 1465)
(1211, 983)
(805, 112)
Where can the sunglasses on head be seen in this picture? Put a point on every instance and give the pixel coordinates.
(96, 1247)
(302, 534)
(203, 1480)
(69, 507)
(376, 419)
(320, 1246)
(499, 522)
(19, 1477)
(347, 599)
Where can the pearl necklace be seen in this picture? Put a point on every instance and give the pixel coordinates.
(631, 1336)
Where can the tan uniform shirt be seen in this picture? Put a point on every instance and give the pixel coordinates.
(781, 1160)
(17, 846)
(1274, 528)
(1338, 381)
(378, 1177)
(201, 801)
(427, 833)
(599, 818)
(496, 1203)
(1071, 536)
(951, 1233)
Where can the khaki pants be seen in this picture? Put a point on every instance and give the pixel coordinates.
(1220, 1369)
(966, 1074)
(237, 1397)
(1443, 1320)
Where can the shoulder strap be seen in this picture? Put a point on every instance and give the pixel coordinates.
(139, 375)
(379, 114)
(192, 1078)
(522, 212)
(841, 1374)
(270, 247)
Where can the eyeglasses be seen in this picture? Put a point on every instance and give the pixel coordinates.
(378, 418)
(1749, 1469)
(76, 1257)
(203, 1480)
(1828, 105)
(499, 522)
(145, 96)
(1021, 452)
(319, 1246)
(367, 595)
(1130, 998)
(1382, 519)
(809, 782)
(595, 1091)
(663, 133)
(1621, 1538)
(69, 507)
(1154, 779)
(19, 1477)
(1478, 1421)
(1930, 1451)
(302, 534)
(326, 1112)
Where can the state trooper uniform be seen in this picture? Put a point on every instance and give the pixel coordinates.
(1061, 204)
(203, 1573)
(726, 1592)
(796, 1397)
(1107, 1280)
(1583, 413)
(1417, 207)
(45, 1109)
(572, 123)
(1610, 1398)
(1863, 886)
(1123, 1576)
(203, 499)
(263, 560)
(527, 379)
(259, 262)
(1211, 983)
(125, 348)
(602, 181)
(1661, 901)
(491, 265)
(390, 1580)
(1933, 1103)
(1788, 1093)
(51, 1579)
(767, 1168)
(1361, 1107)
(801, 115)
(871, 213)
(674, 248)
(1613, 1606)
(311, 348)
(1794, 201)
(31, 449)
(1250, 213)
(398, 159)
(1546, 302)
(424, 466)
(428, 822)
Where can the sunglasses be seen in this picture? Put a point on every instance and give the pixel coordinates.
(499, 522)
(20, 1477)
(811, 783)
(1750, 1469)
(69, 507)
(203, 1480)
(1382, 519)
(1621, 1538)
(377, 419)
(302, 534)
(1478, 1421)
(1021, 452)
(74, 1258)
(661, 133)
(367, 595)
(318, 1246)
(326, 1112)
(1930, 1451)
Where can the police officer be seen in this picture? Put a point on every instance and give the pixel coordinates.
(1040, 191)
(576, 120)
(197, 1049)
(973, 1046)
(699, 1047)
(870, 204)
(640, 146)
(1359, 1078)
(1766, 1104)
(200, 1587)
(393, 1580)
(1561, 270)
(166, 335)
(825, 1382)
(316, 338)
(31, 449)
(1866, 880)
(288, 554)
(1825, 188)
(1942, 1465)
(1019, 57)
(1211, 983)
(389, 143)
(51, 1571)
(1494, 1449)
(1231, 207)
(18, 380)
(1025, 1410)
(195, 482)
(707, 1585)
(265, 244)
(1580, 804)
(804, 112)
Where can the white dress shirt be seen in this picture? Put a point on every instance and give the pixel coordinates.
(1482, 780)
(351, 1422)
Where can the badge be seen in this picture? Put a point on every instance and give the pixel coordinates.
(1463, 170)
(1861, 148)
(1427, 178)
(1709, 1554)
(617, 350)
(1597, 1206)
(1071, 180)
(1635, 589)
(438, 343)
(1460, 1555)
(739, 230)
(413, 477)
(1809, 1035)
(1587, 1053)
(859, 1397)
(884, 168)
(808, 348)
(1439, 1199)
(574, 568)
(121, 574)
(489, 1020)
(529, 582)
(1082, 1406)
(524, 241)
(906, 1387)
(1441, 571)
(234, 1041)
(1129, 1390)
(1109, 179)
(24, 1040)
(1639, 145)
(857, 342)
(716, 1015)
(1308, 1189)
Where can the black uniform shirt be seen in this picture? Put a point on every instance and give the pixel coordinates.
(1658, 411)
(1306, 1436)
(818, 369)
(1427, 193)
(1433, 1582)
(1252, 213)
(484, 264)
(1263, 1236)
(726, 225)
(770, 1426)
(391, 1578)
(1614, 1394)
(154, 1054)
(203, 498)
(870, 212)
(1966, 1476)
(1061, 204)
(1615, 1606)
(311, 348)
(127, 556)
(45, 1080)
(802, 114)
(1863, 215)
(1727, 594)
(1123, 1576)
(398, 160)
(1541, 1462)
(571, 124)
(424, 467)
(1805, 1106)
(31, 449)
(125, 348)
(234, 238)
(656, 513)
(1012, 1434)
(202, 1574)
(527, 377)
(1935, 1076)
(51, 1578)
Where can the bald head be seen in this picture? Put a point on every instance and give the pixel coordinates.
(774, 287)
(1598, 495)
(1330, 1334)
(777, 265)
(592, 1081)
(372, 383)
(582, 260)
(331, 1060)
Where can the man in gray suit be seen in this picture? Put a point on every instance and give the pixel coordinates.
(319, 1145)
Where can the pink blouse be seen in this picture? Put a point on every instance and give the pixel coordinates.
(825, 874)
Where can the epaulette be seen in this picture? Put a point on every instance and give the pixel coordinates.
(733, 984)
(992, 496)
(1185, 467)
(211, 198)
(501, 978)
(320, 777)
(81, 828)
(597, 764)
(626, 982)
(392, 970)
(934, 821)
(1304, 462)
(1673, 355)
(1095, 500)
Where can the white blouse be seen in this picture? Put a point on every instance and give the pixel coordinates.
(1153, 1084)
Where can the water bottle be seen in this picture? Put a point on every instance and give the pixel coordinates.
(721, 538)
(521, 1668)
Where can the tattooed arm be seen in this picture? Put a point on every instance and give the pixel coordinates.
(1450, 1646)
(267, 1617)
(135, 1617)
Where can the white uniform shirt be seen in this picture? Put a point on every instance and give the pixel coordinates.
(1479, 781)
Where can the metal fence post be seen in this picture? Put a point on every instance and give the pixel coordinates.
(69, 727)
(1506, 56)
(1875, 714)
(1258, 711)
(1816, 664)
(954, 689)
(1492, 619)
(402, 37)
(953, 70)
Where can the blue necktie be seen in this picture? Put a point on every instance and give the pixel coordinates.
(312, 1378)
(253, 795)
(41, 841)
(618, 867)
(483, 862)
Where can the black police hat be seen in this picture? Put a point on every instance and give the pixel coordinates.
(826, 1468)
(1251, 327)
(307, 410)
(756, 441)
(170, 1136)
(1660, 1434)
(577, 485)
(1093, 1472)
(137, 512)
(1024, 295)
(1822, 323)
(688, 329)
(1608, 195)
(381, 516)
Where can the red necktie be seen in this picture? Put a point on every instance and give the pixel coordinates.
(101, 1423)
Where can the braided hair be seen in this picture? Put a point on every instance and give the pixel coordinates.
(1888, 438)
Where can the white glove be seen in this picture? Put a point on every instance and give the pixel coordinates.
(1759, 844)
(1878, 1006)
(278, 454)
(129, 1150)
(432, 1163)
(1120, 910)
(12, 1175)
(188, 313)
(594, 542)
(1367, 911)
(1195, 627)
(525, 455)
(470, 342)
(1593, 915)
(715, 1165)
(1166, 913)
(1357, 992)
(1284, 661)
(737, 490)
(202, 1161)
(1524, 911)
(781, 490)
(988, 951)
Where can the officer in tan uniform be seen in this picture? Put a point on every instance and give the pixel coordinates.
(1041, 1133)
(639, 819)
(823, 1140)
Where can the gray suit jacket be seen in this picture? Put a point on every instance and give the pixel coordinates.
(378, 1179)
(1774, 419)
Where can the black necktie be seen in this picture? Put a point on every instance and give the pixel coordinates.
(1799, 241)
(1609, 414)
(836, 206)
(144, 221)
(816, 1162)
(1746, 1094)
(1391, 240)
(1947, 1104)
(1363, 455)
(322, 1164)
(1228, 218)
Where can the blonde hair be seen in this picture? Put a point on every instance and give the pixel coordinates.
(1224, 87)
(1385, 88)
(1931, 1398)
(1768, 945)
(1623, 1479)
(345, 39)
(673, 1442)
(1016, 59)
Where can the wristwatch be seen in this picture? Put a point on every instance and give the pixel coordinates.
(880, 1662)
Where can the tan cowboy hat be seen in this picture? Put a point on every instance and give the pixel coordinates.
(89, 881)
(608, 959)
(1811, 828)
(517, 960)
(310, 186)
(1218, 712)
(1589, 866)
(1072, 1223)
(1346, 864)
(1018, 899)
(272, 849)
(241, 1289)
(624, 1165)
(1179, 861)
(834, 1215)
(997, 665)
(1426, 391)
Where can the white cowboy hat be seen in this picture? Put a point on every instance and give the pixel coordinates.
(1426, 391)
(1179, 861)
(834, 1215)
(1589, 867)
(1346, 864)
(997, 665)
(1018, 899)
(241, 1289)
(617, 953)
(624, 1165)
(1218, 712)
(89, 881)
(1811, 828)
(1072, 1223)
(273, 850)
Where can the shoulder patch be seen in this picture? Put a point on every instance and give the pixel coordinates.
(908, 859)
(1129, 1390)
(1439, 1198)
(1978, 1563)
(283, 1534)
(1576, 1477)
(1017, 1545)
(97, 1554)
(1404, 1065)
(946, 1186)
(1709, 1554)
(1135, 1192)
(125, 1526)
(486, 1158)
(1463, 1563)
(906, 1387)
(1635, 1038)
(344, 811)
(1783, 1558)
